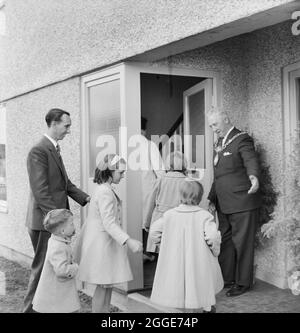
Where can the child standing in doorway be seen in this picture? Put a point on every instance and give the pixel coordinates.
(165, 193)
(188, 235)
(56, 291)
(102, 245)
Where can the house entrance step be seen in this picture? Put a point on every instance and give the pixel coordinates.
(137, 303)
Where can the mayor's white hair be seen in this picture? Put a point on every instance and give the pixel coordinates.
(217, 110)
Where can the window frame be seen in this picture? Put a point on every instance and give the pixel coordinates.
(291, 116)
(3, 203)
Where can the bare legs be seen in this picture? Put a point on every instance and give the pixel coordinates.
(101, 300)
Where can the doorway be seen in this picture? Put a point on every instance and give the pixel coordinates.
(175, 105)
(112, 103)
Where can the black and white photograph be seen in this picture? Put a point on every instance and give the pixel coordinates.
(149, 159)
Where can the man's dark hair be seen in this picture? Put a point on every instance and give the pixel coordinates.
(55, 115)
(143, 123)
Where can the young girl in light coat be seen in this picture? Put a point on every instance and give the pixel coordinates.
(188, 274)
(101, 248)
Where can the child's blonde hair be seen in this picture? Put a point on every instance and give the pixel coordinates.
(56, 218)
(191, 192)
(176, 162)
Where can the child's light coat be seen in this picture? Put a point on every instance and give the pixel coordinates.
(188, 274)
(56, 291)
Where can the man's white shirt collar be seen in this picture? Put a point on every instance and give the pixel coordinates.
(226, 136)
(53, 141)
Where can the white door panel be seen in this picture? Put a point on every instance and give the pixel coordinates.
(198, 137)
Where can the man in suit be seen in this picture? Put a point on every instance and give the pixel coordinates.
(235, 196)
(49, 189)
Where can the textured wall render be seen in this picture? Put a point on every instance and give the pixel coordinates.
(251, 68)
(267, 52)
(52, 40)
(25, 126)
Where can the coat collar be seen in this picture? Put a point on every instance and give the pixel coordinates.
(51, 140)
(187, 208)
(111, 187)
(61, 239)
(47, 143)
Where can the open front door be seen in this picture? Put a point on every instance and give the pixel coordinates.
(198, 137)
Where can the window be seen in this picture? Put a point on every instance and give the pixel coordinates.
(291, 100)
(298, 101)
(3, 193)
(104, 119)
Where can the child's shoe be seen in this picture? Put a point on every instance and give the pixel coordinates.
(212, 310)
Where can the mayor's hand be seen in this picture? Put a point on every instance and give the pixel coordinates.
(254, 184)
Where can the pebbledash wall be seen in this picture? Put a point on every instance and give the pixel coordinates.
(250, 66)
(47, 41)
(25, 126)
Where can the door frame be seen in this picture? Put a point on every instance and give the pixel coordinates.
(130, 109)
(290, 74)
(205, 85)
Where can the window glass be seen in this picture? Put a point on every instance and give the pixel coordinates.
(3, 193)
(197, 128)
(104, 120)
(298, 101)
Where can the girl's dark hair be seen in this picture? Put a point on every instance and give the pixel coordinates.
(102, 176)
(105, 168)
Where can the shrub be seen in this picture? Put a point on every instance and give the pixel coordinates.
(268, 193)
(287, 221)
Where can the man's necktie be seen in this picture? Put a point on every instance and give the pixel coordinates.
(58, 150)
(60, 158)
(218, 148)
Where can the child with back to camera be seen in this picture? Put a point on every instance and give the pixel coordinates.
(187, 234)
(101, 248)
(165, 193)
(56, 291)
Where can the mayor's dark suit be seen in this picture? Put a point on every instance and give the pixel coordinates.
(49, 189)
(237, 210)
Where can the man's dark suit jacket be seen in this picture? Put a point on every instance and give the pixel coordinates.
(49, 184)
(231, 176)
